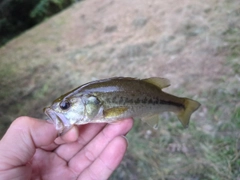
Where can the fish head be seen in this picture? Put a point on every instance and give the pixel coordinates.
(65, 112)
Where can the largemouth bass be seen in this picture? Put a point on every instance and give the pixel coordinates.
(110, 100)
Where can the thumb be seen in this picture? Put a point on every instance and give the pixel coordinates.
(19, 144)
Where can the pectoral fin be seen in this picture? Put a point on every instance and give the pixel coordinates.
(114, 112)
(152, 121)
(160, 82)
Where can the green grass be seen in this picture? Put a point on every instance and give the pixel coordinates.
(208, 149)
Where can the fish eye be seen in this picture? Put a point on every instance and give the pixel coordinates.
(64, 105)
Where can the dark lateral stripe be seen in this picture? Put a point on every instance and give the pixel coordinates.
(172, 103)
(152, 101)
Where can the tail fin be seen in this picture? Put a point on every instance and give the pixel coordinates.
(190, 107)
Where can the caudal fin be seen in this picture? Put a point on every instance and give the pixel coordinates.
(190, 107)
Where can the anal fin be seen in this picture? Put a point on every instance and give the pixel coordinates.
(152, 120)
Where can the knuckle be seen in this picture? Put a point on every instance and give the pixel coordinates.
(23, 120)
(89, 156)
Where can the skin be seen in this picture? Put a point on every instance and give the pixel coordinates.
(30, 149)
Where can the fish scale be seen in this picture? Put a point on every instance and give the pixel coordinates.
(112, 99)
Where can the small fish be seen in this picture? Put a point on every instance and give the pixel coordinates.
(110, 100)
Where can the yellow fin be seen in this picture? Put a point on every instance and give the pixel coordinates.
(114, 112)
(190, 107)
(152, 121)
(160, 82)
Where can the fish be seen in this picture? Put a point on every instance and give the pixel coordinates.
(113, 99)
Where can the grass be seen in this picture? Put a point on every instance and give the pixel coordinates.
(208, 149)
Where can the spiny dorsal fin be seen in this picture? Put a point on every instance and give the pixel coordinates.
(157, 81)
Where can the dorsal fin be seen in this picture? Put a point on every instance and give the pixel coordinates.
(157, 81)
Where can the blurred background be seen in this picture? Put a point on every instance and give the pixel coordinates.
(195, 44)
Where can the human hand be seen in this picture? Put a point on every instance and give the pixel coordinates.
(30, 149)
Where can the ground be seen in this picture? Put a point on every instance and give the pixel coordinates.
(195, 44)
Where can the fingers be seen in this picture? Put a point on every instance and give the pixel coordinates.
(18, 145)
(107, 161)
(94, 148)
(86, 133)
(70, 136)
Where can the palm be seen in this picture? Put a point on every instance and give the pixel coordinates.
(93, 152)
(84, 157)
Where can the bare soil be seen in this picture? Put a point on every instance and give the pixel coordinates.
(188, 42)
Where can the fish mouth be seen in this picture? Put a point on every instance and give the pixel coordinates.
(59, 120)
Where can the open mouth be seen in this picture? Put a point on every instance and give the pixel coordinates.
(59, 120)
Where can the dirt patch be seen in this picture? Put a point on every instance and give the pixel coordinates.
(192, 43)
